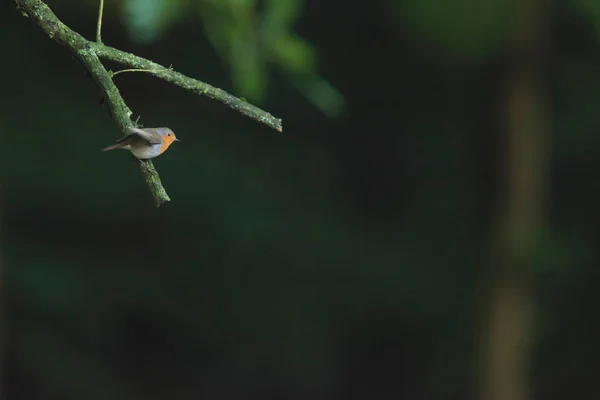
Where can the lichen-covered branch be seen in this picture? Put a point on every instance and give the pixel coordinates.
(90, 53)
(122, 116)
(43, 16)
(191, 84)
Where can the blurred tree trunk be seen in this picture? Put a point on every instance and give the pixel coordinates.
(506, 334)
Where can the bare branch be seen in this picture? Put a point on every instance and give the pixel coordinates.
(89, 53)
(122, 116)
(191, 84)
(134, 70)
(41, 14)
(99, 26)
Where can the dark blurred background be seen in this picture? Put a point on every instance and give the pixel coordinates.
(425, 227)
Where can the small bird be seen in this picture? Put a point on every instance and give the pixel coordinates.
(145, 143)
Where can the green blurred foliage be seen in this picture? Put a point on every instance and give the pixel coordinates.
(264, 255)
(251, 37)
(148, 20)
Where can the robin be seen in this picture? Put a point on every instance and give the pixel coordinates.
(145, 143)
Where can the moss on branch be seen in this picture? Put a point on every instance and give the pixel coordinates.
(187, 83)
(90, 53)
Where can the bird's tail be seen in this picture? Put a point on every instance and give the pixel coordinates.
(114, 146)
(121, 143)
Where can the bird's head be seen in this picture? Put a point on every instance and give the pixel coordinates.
(168, 136)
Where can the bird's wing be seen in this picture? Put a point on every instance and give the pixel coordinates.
(146, 134)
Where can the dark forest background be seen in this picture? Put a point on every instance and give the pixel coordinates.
(425, 227)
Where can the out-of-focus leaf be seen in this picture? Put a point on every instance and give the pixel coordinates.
(279, 16)
(248, 40)
(247, 67)
(320, 93)
(294, 54)
(218, 25)
(146, 20)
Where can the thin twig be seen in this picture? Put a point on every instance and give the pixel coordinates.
(191, 84)
(89, 53)
(135, 70)
(43, 16)
(99, 26)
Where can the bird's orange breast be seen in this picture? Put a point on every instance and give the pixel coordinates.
(165, 143)
(164, 146)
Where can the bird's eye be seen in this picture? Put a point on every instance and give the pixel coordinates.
(169, 134)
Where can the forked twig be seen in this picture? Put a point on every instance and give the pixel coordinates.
(90, 53)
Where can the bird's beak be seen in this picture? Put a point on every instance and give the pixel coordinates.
(177, 140)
